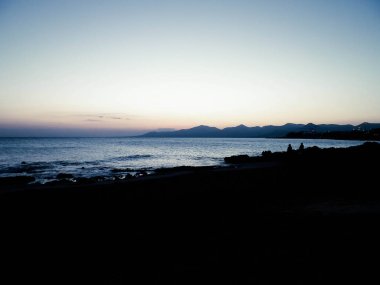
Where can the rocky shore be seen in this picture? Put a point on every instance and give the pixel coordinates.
(302, 217)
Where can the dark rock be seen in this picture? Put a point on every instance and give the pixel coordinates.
(115, 170)
(141, 173)
(266, 153)
(59, 182)
(99, 178)
(168, 170)
(122, 177)
(84, 180)
(237, 159)
(16, 180)
(64, 176)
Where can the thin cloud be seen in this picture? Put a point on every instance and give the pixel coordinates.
(100, 117)
(92, 120)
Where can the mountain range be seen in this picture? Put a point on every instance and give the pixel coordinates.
(270, 131)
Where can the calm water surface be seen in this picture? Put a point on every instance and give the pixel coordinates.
(43, 158)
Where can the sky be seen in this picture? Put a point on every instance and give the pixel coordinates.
(126, 67)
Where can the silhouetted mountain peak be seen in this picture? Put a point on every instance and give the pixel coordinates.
(364, 125)
(241, 126)
(367, 126)
(203, 127)
(292, 125)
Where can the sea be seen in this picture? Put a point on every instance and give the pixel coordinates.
(44, 158)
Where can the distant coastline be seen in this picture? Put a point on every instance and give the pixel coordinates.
(370, 135)
(364, 131)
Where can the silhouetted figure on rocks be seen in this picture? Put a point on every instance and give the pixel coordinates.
(301, 148)
(290, 149)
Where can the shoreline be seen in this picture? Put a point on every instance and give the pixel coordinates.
(303, 219)
(120, 175)
(84, 160)
(290, 171)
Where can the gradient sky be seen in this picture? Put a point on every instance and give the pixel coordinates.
(119, 67)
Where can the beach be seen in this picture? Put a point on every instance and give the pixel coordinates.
(303, 218)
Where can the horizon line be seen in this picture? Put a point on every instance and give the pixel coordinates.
(43, 132)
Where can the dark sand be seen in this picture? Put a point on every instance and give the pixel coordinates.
(305, 219)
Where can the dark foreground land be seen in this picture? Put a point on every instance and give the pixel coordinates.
(309, 217)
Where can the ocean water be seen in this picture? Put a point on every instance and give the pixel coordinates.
(44, 158)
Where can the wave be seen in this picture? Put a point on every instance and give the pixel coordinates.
(38, 167)
(68, 163)
(205, 158)
(27, 167)
(132, 157)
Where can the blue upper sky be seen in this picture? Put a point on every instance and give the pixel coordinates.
(131, 66)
